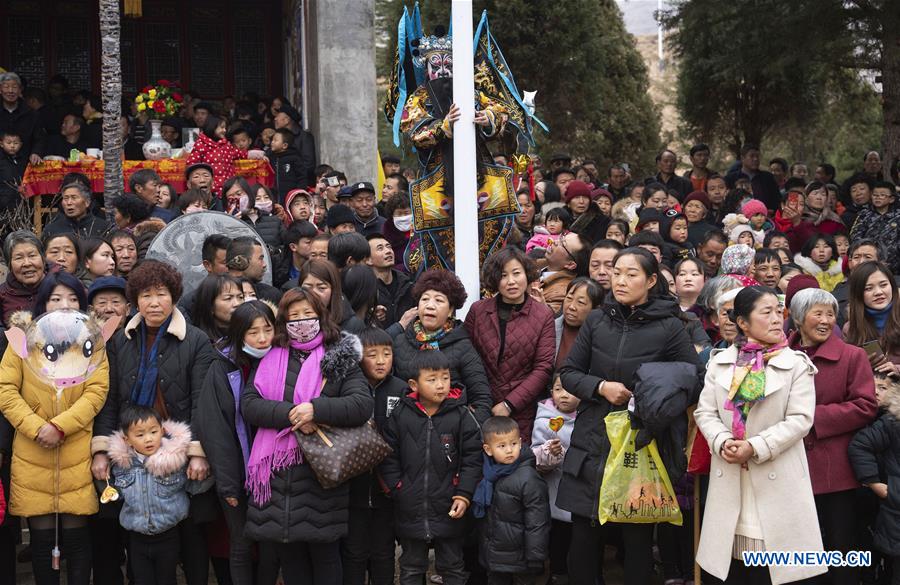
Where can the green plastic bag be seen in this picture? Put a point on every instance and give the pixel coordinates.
(636, 488)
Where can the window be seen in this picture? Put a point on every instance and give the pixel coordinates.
(26, 48)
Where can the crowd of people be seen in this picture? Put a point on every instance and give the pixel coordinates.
(745, 320)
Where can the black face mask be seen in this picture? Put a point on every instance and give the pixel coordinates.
(441, 92)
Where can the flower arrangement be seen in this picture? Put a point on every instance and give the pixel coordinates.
(160, 100)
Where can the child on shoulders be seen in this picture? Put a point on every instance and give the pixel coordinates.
(556, 225)
(758, 219)
(673, 228)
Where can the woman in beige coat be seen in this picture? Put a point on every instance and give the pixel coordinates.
(756, 406)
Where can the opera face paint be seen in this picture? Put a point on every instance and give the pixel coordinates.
(440, 65)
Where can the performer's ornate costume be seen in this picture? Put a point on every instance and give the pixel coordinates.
(419, 98)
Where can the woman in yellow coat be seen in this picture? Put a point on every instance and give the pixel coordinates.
(29, 404)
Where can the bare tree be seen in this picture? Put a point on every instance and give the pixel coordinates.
(111, 93)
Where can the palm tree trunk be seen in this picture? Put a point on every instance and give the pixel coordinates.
(111, 93)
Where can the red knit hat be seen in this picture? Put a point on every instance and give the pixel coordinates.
(577, 189)
(798, 283)
(700, 196)
(601, 192)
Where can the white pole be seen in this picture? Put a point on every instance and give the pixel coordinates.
(465, 181)
(659, 33)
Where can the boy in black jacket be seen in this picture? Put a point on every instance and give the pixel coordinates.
(286, 161)
(875, 456)
(369, 544)
(12, 168)
(513, 501)
(432, 472)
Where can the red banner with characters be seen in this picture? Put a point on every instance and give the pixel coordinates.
(46, 178)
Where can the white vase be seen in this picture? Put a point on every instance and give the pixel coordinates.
(156, 148)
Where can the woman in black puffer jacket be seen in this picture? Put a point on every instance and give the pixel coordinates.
(260, 215)
(225, 435)
(438, 293)
(298, 523)
(639, 323)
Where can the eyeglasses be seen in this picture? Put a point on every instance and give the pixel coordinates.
(562, 243)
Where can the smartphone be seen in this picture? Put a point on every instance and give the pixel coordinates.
(793, 200)
(872, 348)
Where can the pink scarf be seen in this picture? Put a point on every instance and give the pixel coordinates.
(275, 449)
(748, 382)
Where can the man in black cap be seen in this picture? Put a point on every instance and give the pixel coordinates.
(340, 219)
(288, 117)
(106, 298)
(560, 160)
(362, 201)
(344, 193)
(199, 176)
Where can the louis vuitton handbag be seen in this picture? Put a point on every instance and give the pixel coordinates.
(338, 454)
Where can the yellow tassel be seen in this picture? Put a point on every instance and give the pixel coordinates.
(133, 9)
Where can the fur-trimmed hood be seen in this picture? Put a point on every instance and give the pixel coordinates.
(811, 268)
(151, 225)
(172, 454)
(21, 319)
(341, 357)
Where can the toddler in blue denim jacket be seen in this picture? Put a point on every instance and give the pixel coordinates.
(149, 459)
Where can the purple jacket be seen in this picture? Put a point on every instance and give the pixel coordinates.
(845, 403)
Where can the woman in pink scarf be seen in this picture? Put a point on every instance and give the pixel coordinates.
(310, 377)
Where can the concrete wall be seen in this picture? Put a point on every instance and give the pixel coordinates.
(341, 100)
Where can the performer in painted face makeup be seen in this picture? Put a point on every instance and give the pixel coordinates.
(420, 107)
